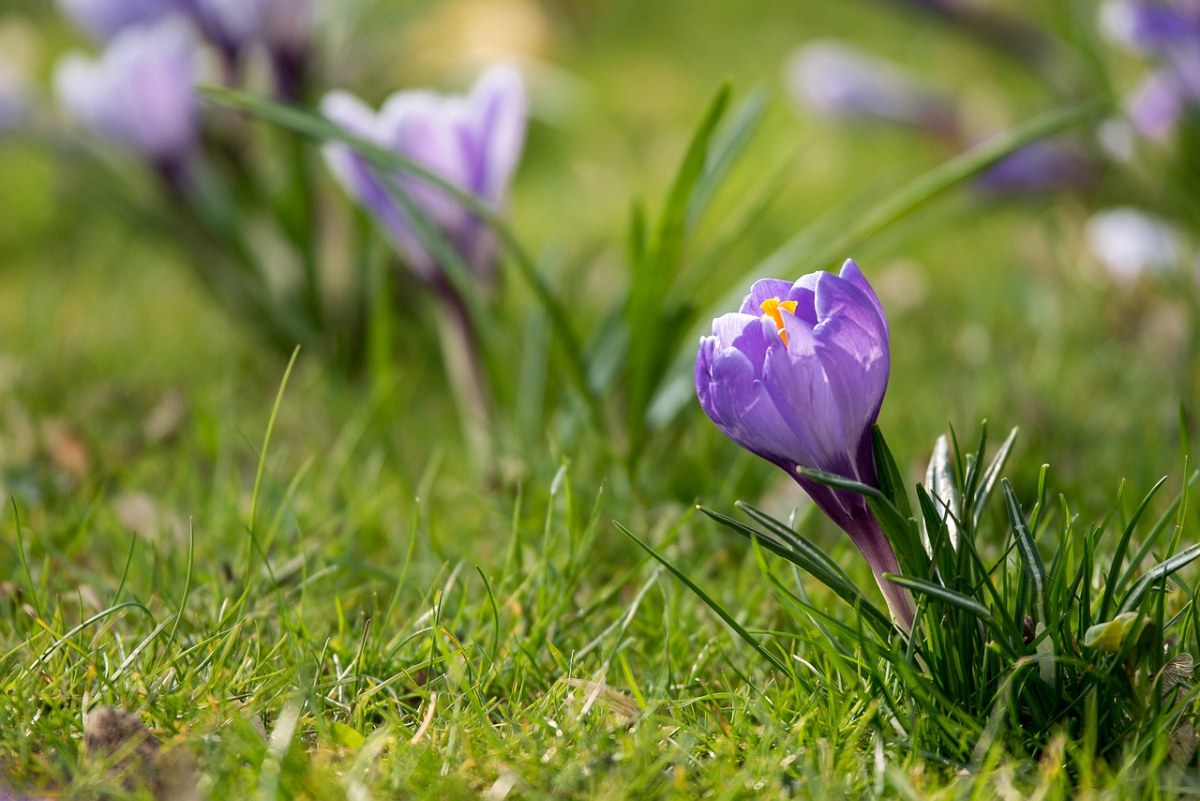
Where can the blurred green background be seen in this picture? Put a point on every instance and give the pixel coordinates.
(997, 310)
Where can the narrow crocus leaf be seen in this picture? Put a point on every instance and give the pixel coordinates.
(891, 484)
(988, 482)
(1035, 568)
(943, 594)
(806, 555)
(1112, 585)
(939, 482)
(1157, 573)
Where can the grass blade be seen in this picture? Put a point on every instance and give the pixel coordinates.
(1035, 568)
(708, 601)
(943, 594)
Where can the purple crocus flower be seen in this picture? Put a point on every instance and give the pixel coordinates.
(287, 32)
(231, 25)
(141, 93)
(1036, 168)
(838, 80)
(1150, 27)
(473, 142)
(797, 376)
(104, 19)
(1170, 34)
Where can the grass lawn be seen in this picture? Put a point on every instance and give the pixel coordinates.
(300, 583)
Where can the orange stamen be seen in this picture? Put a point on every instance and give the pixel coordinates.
(772, 307)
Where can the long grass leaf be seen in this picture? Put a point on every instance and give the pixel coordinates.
(1158, 573)
(1112, 584)
(988, 481)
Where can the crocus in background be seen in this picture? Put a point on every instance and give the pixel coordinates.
(1168, 33)
(797, 376)
(1131, 243)
(834, 79)
(140, 94)
(1036, 168)
(104, 19)
(472, 141)
(287, 27)
(283, 27)
(16, 96)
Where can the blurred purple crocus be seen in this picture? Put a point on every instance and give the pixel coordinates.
(140, 94)
(797, 376)
(837, 80)
(474, 142)
(104, 19)
(1036, 168)
(283, 27)
(1169, 33)
(286, 31)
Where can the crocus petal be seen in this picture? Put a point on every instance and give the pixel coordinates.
(287, 24)
(470, 142)
(795, 380)
(141, 92)
(852, 273)
(762, 291)
(231, 24)
(362, 182)
(857, 387)
(1155, 108)
(498, 112)
(835, 79)
(104, 19)
(737, 402)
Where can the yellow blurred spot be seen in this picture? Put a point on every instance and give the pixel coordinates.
(772, 307)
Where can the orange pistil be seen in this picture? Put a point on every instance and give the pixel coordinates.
(772, 307)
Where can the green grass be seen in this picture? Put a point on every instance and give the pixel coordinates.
(353, 612)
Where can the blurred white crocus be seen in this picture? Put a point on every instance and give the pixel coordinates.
(140, 94)
(16, 96)
(835, 79)
(1131, 243)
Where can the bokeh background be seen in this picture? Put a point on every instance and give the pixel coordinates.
(999, 310)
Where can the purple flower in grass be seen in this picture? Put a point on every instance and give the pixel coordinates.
(1151, 27)
(287, 27)
(473, 142)
(141, 93)
(1038, 167)
(838, 80)
(104, 19)
(1170, 34)
(797, 376)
